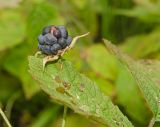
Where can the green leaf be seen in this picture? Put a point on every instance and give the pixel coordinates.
(12, 29)
(136, 44)
(144, 77)
(16, 64)
(135, 107)
(73, 119)
(153, 66)
(103, 71)
(101, 62)
(104, 84)
(144, 14)
(68, 87)
(143, 11)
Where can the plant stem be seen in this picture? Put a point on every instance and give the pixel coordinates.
(151, 124)
(5, 118)
(64, 116)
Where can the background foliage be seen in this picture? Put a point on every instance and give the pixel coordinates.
(132, 25)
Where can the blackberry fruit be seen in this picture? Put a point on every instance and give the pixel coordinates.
(50, 39)
(46, 30)
(62, 42)
(57, 33)
(46, 49)
(55, 48)
(53, 39)
(41, 39)
(63, 31)
(69, 40)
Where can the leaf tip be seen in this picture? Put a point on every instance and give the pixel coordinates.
(110, 47)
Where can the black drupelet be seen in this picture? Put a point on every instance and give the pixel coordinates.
(53, 39)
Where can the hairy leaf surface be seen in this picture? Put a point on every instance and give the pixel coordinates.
(66, 86)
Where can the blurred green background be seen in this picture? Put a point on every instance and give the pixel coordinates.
(134, 25)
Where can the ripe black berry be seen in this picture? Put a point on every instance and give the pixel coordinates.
(46, 49)
(53, 39)
(50, 39)
(69, 40)
(63, 31)
(55, 48)
(57, 33)
(41, 39)
(40, 47)
(46, 30)
(62, 42)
